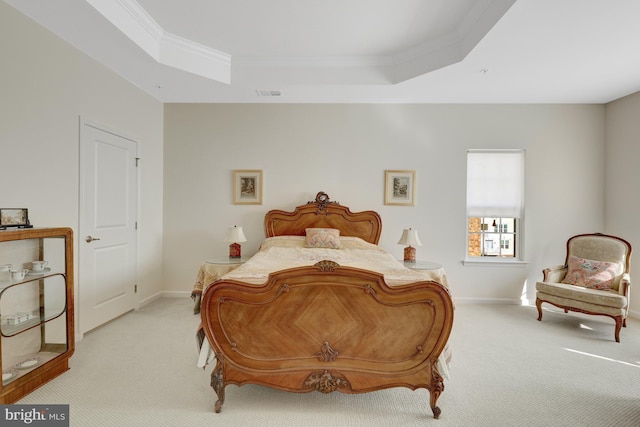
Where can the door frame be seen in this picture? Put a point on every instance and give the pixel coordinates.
(81, 226)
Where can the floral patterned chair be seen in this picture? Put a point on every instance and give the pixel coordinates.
(593, 280)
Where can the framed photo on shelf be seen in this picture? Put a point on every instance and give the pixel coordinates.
(247, 187)
(400, 188)
(14, 217)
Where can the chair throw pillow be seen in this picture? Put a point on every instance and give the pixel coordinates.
(322, 238)
(590, 273)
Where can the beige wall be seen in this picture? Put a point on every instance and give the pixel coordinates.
(45, 87)
(345, 149)
(622, 203)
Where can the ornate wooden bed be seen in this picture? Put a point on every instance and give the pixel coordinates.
(327, 327)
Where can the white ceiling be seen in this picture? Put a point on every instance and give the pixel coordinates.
(415, 51)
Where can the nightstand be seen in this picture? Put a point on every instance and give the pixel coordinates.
(209, 272)
(429, 270)
(226, 261)
(423, 265)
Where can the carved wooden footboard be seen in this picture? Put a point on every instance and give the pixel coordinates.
(327, 328)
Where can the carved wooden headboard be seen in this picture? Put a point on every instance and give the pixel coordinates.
(323, 213)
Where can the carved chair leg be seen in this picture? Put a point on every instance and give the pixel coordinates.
(624, 322)
(619, 322)
(539, 307)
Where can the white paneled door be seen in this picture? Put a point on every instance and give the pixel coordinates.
(107, 236)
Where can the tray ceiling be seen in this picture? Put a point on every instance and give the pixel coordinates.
(434, 51)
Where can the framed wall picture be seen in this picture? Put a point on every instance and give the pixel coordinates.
(14, 217)
(247, 187)
(400, 188)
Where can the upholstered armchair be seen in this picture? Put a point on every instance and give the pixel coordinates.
(593, 280)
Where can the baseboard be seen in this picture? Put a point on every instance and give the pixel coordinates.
(164, 294)
(176, 294)
(148, 300)
(488, 301)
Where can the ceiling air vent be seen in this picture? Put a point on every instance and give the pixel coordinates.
(269, 92)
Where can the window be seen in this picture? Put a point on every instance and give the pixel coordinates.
(497, 234)
(495, 203)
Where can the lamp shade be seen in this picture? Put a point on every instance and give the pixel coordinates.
(410, 238)
(235, 235)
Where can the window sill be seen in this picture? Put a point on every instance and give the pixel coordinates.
(494, 262)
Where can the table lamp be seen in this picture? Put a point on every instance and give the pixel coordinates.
(410, 237)
(235, 236)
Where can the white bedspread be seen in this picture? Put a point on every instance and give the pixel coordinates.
(279, 253)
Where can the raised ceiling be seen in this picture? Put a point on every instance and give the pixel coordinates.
(417, 51)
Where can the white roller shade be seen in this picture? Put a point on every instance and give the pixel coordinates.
(495, 183)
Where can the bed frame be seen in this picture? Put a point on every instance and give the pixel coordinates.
(326, 327)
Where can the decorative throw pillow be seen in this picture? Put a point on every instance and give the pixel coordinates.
(322, 238)
(591, 274)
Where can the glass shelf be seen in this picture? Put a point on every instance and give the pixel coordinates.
(28, 364)
(28, 303)
(10, 330)
(4, 284)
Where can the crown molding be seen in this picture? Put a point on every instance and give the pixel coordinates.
(314, 61)
(164, 47)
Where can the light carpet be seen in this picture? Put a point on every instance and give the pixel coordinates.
(508, 370)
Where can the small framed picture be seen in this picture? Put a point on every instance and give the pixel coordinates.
(13, 217)
(247, 187)
(400, 188)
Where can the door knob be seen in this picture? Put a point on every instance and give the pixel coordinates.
(90, 239)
